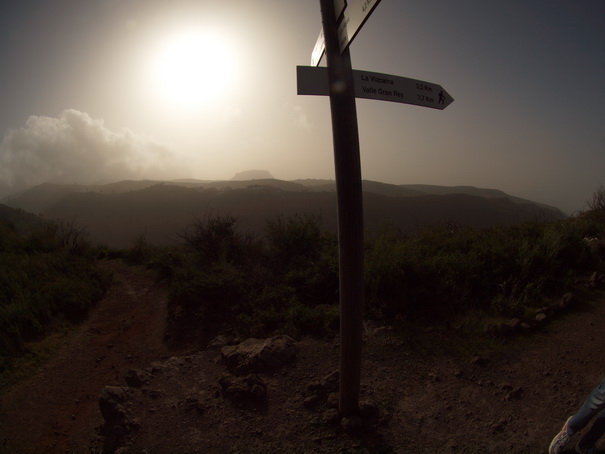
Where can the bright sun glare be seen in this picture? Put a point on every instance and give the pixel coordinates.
(193, 68)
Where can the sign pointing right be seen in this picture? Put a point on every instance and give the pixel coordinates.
(384, 87)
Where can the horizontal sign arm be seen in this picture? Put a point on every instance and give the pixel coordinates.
(370, 85)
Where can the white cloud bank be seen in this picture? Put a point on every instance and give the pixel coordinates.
(75, 148)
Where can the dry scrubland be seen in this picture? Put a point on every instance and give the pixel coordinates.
(439, 304)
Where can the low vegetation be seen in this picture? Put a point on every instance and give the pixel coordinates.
(47, 278)
(222, 278)
(287, 280)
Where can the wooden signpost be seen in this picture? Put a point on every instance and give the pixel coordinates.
(342, 20)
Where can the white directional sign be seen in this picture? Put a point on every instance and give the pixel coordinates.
(356, 12)
(339, 6)
(370, 85)
(319, 49)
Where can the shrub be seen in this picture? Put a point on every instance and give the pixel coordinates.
(384, 273)
(140, 251)
(594, 216)
(506, 270)
(597, 203)
(227, 278)
(287, 280)
(293, 241)
(59, 234)
(303, 257)
(317, 320)
(44, 276)
(216, 239)
(201, 301)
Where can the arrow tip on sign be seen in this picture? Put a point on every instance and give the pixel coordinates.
(444, 98)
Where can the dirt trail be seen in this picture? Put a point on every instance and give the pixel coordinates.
(57, 410)
(509, 396)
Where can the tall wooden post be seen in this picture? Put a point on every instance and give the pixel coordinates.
(350, 210)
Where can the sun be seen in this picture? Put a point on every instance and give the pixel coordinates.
(193, 68)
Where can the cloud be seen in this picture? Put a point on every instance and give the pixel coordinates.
(75, 148)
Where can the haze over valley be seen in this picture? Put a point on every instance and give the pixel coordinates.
(118, 213)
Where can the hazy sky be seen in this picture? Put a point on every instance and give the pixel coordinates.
(97, 90)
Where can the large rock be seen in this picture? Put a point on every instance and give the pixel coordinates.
(257, 355)
(111, 403)
(250, 390)
(116, 427)
(136, 378)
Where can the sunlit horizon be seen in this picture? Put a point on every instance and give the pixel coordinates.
(150, 89)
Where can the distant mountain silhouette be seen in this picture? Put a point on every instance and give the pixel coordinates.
(117, 213)
(253, 175)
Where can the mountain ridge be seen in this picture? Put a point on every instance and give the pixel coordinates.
(116, 213)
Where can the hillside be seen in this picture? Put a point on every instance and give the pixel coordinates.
(429, 390)
(17, 218)
(117, 213)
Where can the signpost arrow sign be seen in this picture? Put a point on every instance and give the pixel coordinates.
(339, 7)
(371, 85)
(319, 49)
(356, 12)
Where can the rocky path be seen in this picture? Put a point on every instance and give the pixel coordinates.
(56, 410)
